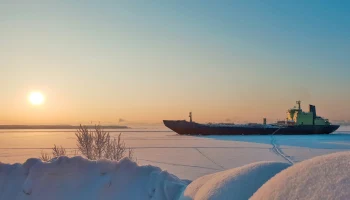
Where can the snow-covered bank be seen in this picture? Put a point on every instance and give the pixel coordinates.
(237, 183)
(322, 177)
(78, 178)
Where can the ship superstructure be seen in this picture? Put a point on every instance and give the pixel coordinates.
(296, 116)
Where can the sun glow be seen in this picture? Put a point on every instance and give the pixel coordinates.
(36, 98)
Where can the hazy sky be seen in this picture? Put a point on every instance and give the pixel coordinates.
(145, 61)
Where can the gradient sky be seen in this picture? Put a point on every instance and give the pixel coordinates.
(145, 61)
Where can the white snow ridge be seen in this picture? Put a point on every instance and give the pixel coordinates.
(322, 177)
(79, 178)
(237, 183)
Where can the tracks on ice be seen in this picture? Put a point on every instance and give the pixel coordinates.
(209, 159)
(278, 151)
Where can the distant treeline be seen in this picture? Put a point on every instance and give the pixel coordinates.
(57, 127)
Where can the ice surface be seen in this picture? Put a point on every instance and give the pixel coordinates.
(78, 178)
(322, 177)
(237, 183)
(188, 157)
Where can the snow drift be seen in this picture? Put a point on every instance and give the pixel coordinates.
(238, 183)
(79, 178)
(322, 177)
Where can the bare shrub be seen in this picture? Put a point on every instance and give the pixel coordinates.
(94, 144)
(116, 149)
(45, 156)
(131, 155)
(97, 144)
(58, 151)
(85, 142)
(101, 139)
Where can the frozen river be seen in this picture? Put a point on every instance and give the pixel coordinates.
(185, 156)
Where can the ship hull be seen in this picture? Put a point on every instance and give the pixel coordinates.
(192, 128)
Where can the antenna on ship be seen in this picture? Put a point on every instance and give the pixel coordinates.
(299, 107)
(190, 116)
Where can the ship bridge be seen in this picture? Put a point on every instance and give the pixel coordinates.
(299, 117)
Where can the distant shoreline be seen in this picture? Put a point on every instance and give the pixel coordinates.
(57, 127)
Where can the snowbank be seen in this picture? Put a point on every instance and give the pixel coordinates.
(78, 178)
(322, 177)
(237, 183)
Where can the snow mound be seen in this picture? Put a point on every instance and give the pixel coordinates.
(322, 177)
(237, 183)
(79, 178)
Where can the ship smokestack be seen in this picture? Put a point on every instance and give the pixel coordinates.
(312, 109)
(264, 121)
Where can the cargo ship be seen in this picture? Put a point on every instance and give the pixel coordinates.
(297, 122)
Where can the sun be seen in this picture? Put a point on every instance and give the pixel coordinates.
(36, 98)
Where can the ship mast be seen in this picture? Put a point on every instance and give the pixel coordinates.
(190, 116)
(299, 107)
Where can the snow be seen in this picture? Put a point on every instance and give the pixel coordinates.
(238, 183)
(188, 157)
(78, 178)
(211, 161)
(322, 177)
